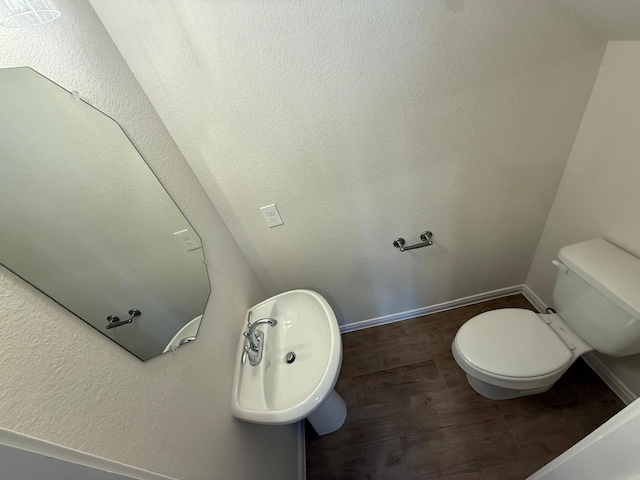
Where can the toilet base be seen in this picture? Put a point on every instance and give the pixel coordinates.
(494, 392)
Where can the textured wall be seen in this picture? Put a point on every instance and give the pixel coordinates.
(62, 381)
(599, 193)
(366, 120)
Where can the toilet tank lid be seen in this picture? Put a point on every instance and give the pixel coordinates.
(609, 269)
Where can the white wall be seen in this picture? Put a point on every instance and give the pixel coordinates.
(63, 382)
(367, 120)
(599, 194)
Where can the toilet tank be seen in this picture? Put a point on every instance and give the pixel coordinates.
(598, 296)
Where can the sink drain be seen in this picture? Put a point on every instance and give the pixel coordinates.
(290, 357)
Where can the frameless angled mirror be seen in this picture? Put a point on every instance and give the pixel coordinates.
(85, 221)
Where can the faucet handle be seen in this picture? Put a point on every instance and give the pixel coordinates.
(245, 353)
(252, 342)
(249, 317)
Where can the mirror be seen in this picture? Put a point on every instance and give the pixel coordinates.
(85, 221)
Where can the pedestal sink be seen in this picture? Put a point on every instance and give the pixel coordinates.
(301, 358)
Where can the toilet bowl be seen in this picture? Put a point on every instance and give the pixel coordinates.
(513, 352)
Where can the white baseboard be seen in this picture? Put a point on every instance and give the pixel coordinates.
(440, 307)
(534, 299)
(302, 452)
(618, 387)
(615, 384)
(71, 458)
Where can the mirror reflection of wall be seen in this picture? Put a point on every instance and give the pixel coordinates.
(85, 221)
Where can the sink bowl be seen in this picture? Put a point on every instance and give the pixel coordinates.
(184, 335)
(276, 392)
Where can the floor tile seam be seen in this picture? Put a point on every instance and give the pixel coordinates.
(404, 455)
(352, 395)
(404, 327)
(353, 377)
(559, 403)
(484, 477)
(393, 400)
(513, 437)
(436, 329)
(477, 419)
(418, 338)
(411, 363)
(441, 375)
(356, 348)
(438, 473)
(364, 444)
(474, 419)
(404, 439)
(434, 414)
(409, 463)
(541, 408)
(369, 373)
(444, 382)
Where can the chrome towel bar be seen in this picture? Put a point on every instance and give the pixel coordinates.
(424, 236)
(115, 321)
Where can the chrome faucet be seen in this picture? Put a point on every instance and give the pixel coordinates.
(254, 337)
(254, 340)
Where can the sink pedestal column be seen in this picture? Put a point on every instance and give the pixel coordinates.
(330, 416)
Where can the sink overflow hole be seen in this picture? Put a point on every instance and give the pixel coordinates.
(290, 357)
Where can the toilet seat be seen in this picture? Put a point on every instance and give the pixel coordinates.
(511, 345)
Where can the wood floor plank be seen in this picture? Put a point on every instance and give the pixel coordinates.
(550, 431)
(416, 473)
(378, 460)
(361, 360)
(397, 383)
(578, 384)
(353, 340)
(373, 336)
(462, 448)
(344, 386)
(416, 348)
(461, 405)
(516, 470)
(383, 333)
(452, 374)
(404, 416)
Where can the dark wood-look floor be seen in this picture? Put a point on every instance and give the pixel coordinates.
(412, 414)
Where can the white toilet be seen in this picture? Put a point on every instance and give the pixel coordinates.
(513, 352)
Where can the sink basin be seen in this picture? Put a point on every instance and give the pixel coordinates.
(276, 392)
(185, 335)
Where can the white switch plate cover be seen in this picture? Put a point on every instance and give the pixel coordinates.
(188, 239)
(271, 215)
